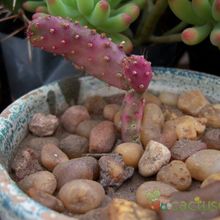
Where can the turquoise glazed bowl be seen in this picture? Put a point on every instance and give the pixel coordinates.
(54, 98)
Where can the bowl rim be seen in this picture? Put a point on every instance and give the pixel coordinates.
(20, 205)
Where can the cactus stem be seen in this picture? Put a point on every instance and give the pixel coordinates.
(107, 58)
(119, 75)
(90, 45)
(107, 44)
(103, 35)
(93, 31)
(141, 86)
(65, 25)
(52, 30)
(134, 72)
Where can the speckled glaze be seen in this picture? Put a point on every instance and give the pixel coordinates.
(54, 98)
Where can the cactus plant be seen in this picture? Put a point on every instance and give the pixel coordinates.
(131, 116)
(90, 51)
(111, 17)
(204, 15)
(97, 55)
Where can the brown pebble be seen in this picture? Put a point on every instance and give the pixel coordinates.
(42, 180)
(203, 163)
(185, 148)
(81, 196)
(46, 199)
(43, 125)
(74, 145)
(212, 115)
(149, 194)
(84, 128)
(212, 138)
(154, 157)
(211, 179)
(25, 163)
(78, 168)
(73, 116)
(113, 171)
(110, 110)
(95, 104)
(175, 174)
(131, 153)
(121, 209)
(102, 137)
(192, 102)
(51, 155)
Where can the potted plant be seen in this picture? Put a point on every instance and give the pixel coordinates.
(141, 122)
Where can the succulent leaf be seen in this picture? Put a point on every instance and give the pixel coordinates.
(184, 11)
(196, 34)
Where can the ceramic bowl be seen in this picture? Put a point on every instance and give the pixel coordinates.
(54, 98)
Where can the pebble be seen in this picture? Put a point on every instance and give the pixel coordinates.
(25, 163)
(168, 98)
(188, 127)
(185, 148)
(84, 128)
(42, 180)
(212, 138)
(176, 174)
(211, 179)
(37, 143)
(43, 125)
(110, 110)
(74, 145)
(46, 199)
(51, 155)
(149, 194)
(73, 116)
(102, 137)
(131, 153)
(170, 112)
(168, 136)
(95, 104)
(155, 156)
(203, 163)
(121, 209)
(150, 98)
(152, 123)
(212, 115)
(192, 102)
(78, 168)
(81, 196)
(113, 171)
